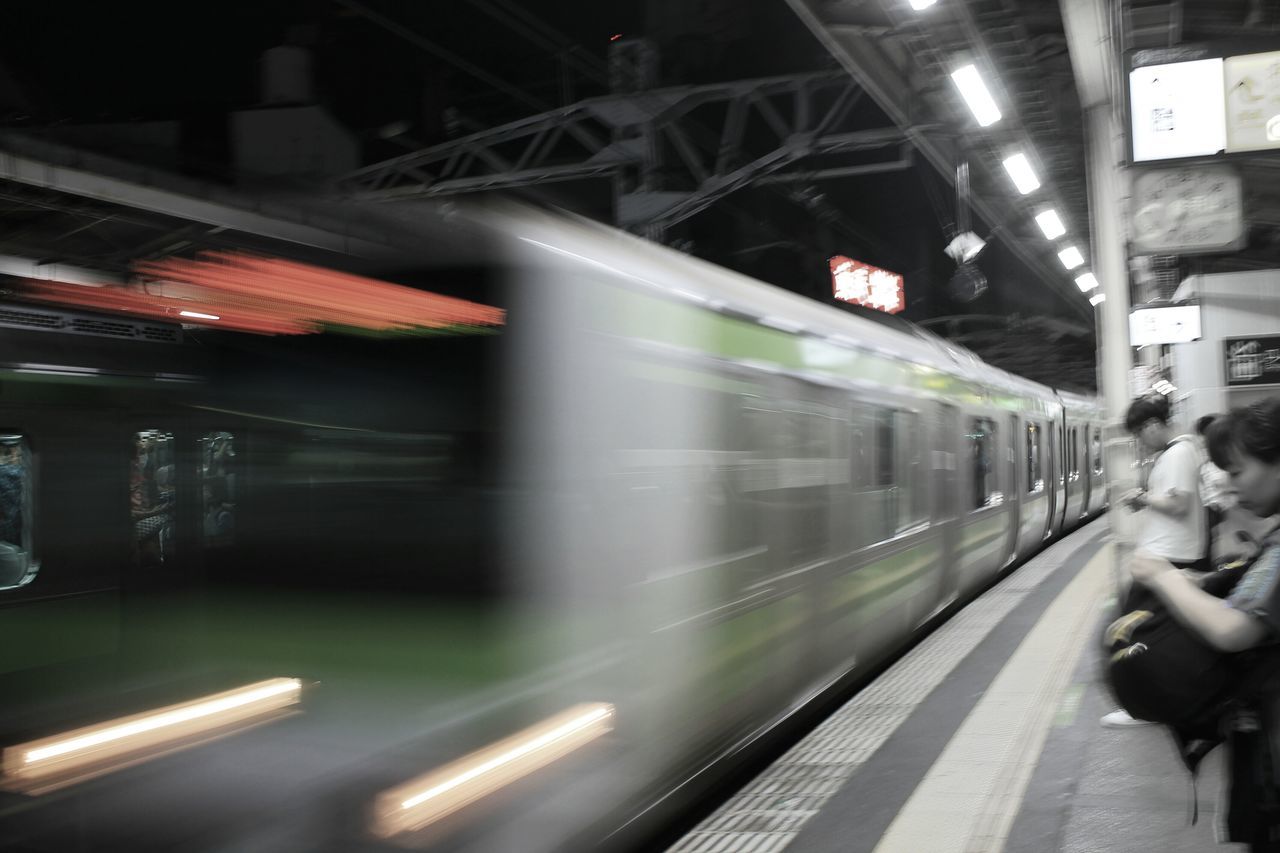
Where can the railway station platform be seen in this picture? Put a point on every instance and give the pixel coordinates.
(986, 737)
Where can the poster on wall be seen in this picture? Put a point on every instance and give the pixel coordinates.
(1252, 361)
(1253, 101)
(1176, 110)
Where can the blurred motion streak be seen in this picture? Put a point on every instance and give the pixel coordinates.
(269, 296)
(53, 762)
(430, 797)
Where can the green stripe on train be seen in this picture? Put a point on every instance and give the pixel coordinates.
(661, 321)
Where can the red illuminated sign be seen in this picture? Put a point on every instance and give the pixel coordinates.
(863, 284)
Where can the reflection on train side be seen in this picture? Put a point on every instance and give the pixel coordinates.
(16, 564)
(152, 496)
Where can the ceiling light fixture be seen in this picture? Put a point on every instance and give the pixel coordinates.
(1050, 224)
(1071, 257)
(975, 94)
(1024, 177)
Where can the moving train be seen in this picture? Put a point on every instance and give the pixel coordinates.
(526, 587)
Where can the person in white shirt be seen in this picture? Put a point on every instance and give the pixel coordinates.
(1174, 526)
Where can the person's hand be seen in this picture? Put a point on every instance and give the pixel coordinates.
(1146, 567)
(1134, 499)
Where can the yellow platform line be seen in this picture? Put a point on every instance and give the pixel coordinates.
(969, 798)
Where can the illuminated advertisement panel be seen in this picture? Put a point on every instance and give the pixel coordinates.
(1253, 101)
(1177, 110)
(863, 284)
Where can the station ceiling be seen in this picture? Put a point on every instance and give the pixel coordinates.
(411, 80)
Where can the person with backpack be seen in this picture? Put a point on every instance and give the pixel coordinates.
(1173, 526)
(1235, 695)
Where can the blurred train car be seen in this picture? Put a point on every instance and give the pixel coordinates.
(659, 512)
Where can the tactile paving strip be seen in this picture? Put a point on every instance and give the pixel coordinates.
(770, 811)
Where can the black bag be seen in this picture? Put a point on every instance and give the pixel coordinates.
(1161, 671)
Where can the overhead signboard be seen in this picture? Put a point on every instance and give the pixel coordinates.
(863, 284)
(1187, 209)
(1176, 110)
(1252, 361)
(1175, 324)
(1252, 85)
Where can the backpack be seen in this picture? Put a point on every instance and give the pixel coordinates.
(1161, 671)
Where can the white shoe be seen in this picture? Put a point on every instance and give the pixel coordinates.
(1120, 719)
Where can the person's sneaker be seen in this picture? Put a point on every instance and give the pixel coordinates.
(1120, 719)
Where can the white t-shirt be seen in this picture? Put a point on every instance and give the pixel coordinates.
(1178, 540)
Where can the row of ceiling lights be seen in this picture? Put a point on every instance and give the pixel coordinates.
(976, 95)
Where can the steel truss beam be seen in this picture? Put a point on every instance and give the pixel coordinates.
(720, 138)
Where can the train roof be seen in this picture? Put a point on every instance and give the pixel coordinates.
(658, 267)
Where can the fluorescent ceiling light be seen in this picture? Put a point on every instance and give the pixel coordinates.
(197, 315)
(1024, 177)
(1097, 299)
(975, 94)
(918, 5)
(1086, 282)
(1071, 257)
(1051, 225)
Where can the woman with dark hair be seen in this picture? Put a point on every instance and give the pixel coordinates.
(1245, 444)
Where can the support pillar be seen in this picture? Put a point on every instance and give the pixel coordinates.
(1108, 196)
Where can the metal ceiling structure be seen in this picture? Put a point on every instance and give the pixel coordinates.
(668, 153)
(805, 119)
(903, 58)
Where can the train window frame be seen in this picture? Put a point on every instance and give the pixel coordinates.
(1096, 462)
(892, 467)
(19, 565)
(984, 431)
(1035, 457)
(913, 503)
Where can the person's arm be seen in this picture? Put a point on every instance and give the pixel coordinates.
(1173, 503)
(1217, 623)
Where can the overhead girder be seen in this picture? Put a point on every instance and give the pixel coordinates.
(89, 176)
(609, 135)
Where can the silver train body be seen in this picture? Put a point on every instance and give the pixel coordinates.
(767, 495)
(704, 504)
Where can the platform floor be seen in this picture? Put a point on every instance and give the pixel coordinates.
(984, 738)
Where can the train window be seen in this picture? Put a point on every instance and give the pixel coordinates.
(874, 469)
(914, 499)
(885, 456)
(17, 564)
(1097, 451)
(982, 451)
(218, 488)
(1035, 470)
(888, 468)
(152, 496)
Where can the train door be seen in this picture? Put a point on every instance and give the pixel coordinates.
(1050, 480)
(944, 455)
(1086, 475)
(1060, 476)
(1014, 493)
